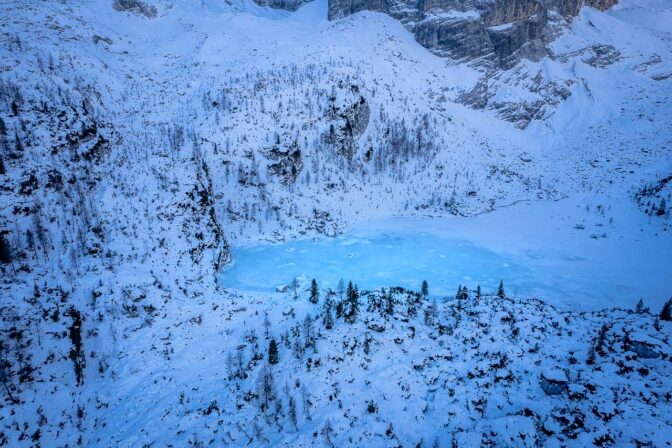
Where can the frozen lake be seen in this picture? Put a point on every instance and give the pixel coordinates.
(406, 251)
(383, 260)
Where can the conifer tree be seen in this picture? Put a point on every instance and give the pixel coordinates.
(666, 312)
(328, 318)
(267, 326)
(273, 352)
(640, 308)
(352, 303)
(314, 292)
(425, 289)
(2, 166)
(339, 309)
(389, 303)
(77, 354)
(500, 291)
(478, 291)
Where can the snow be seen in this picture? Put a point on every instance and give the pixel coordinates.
(556, 375)
(190, 103)
(502, 27)
(535, 249)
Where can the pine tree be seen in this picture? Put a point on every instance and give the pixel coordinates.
(2, 166)
(640, 308)
(389, 303)
(500, 291)
(273, 352)
(666, 312)
(478, 291)
(425, 289)
(314, 292)
(339, 309)
(352, 303)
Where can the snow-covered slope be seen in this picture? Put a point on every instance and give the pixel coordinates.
(139, 142)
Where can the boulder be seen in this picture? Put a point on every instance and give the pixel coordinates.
(645, 346)
(553, 381)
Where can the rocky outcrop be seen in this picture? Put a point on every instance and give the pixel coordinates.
(288, 5)
(347, 124)
(137, 7)
(287, 163)
(500, 32)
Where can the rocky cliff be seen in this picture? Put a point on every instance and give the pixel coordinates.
(499, 32)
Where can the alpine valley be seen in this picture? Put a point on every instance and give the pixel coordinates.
(336, 223)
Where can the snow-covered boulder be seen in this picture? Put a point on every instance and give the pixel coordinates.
(553, 381)
(645, 346)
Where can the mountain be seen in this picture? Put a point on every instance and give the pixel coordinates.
(142, 140)
(499, 32)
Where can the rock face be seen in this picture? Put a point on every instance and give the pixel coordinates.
(499, 31)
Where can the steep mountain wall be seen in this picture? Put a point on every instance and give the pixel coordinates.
(500, 32)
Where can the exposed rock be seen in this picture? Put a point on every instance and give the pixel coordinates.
(544, 94)
(377, 328)
(135, 7)
(645, 346)
(598, 56)
(288, 5)
(347, 125)
(288, 162)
